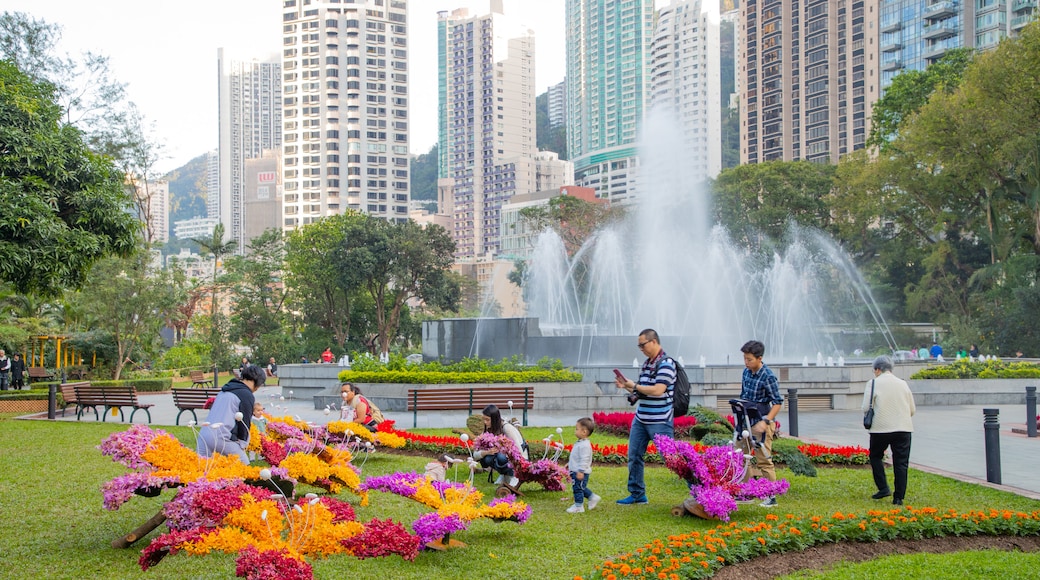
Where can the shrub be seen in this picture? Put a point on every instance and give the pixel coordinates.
(424, 377)
(142, 385)
(991, 369)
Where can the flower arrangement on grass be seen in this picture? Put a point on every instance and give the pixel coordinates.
(456, 504)
(545, 472)
(701, 554)
(716, 475)
(272, 531)
(845, 455)
(620, 423)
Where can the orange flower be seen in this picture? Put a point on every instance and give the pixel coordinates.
(762, 540)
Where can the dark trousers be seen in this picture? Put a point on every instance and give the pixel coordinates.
(499, 462)
(580, 488)
(899, 441)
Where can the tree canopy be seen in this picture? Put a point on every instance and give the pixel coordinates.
(62, 207)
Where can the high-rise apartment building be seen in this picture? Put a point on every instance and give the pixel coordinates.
(809, 75)
(154, 205)
(345, 109)
(608, 43)
(487, 95)
(685, 81)
(557, 98)
(213, 184)
(916, 33)
(250, 93)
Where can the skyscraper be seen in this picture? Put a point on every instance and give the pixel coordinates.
(345, 108)
(608, 43)
(558, 104)
(916, 33)
(249, 91)
(487, 127)
(213, 184)
(809, 76)
(685, 79)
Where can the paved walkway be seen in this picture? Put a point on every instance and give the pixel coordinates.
(948, 440)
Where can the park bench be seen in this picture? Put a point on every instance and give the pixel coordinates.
(68, 395)
(90, 396)
(77, 372)
(200, 379)
(190, 400)
(471, 399)
(39, 374)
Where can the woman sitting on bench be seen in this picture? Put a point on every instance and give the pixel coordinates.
(494, 458)
(230, 416)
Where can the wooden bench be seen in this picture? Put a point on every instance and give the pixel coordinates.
(68, 395)
(199, 379)
(190, 400)
(39, 374)
(90, 396)
(469, 398)
(78, 372)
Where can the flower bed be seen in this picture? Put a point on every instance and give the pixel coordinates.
(991, 369)
(701, 554)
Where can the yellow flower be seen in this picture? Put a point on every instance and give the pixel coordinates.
(342, 427)
(391, 440)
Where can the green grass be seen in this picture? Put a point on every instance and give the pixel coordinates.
(981, 564)
(54, 526)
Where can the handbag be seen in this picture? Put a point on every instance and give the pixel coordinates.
(868, 417)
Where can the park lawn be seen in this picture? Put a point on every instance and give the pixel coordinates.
(981, 563)
(54, 525)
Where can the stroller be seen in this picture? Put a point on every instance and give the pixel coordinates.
(746, 414)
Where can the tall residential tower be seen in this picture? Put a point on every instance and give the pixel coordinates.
(249, 91)
(608, 43)
(345, 109)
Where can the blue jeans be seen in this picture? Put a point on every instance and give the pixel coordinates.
(499, 462)
(580, 487)
(638, 438)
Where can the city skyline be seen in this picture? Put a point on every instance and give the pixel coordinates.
(175, 82)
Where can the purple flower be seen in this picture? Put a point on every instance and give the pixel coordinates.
(127, 446)
(403, 484)
(716, 502)
(432, 526)
(762, 488)
(284, 430)
(122, 488)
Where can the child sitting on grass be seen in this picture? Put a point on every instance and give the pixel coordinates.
(580, 466)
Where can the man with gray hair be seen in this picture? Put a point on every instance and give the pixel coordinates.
(893, 407)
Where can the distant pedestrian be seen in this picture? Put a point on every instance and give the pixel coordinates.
(936, 351)
(327, 357)
(893, 408)
(5, 370)
(973, 352)
(272, 368)
(17, 372)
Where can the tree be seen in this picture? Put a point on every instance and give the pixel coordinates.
(62, 207)
(910, 90)
(258, 306)
(216, 246)
(413, 264)
(130, 304)
(766, 198)
(573, 218)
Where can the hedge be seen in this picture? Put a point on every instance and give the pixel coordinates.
(418, 377)
(142, 385)
(991, 369)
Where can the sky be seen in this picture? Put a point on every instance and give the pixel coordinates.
(166, 52)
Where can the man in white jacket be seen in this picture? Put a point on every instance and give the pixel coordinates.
(893, 408)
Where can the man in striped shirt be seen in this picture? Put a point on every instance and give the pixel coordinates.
(653, 409)
(759, 385)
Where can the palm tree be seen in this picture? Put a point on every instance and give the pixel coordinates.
(215, 245)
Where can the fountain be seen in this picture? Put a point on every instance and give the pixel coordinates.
(665, 266)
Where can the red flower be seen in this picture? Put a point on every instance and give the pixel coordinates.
(253, 564)
(382, 538)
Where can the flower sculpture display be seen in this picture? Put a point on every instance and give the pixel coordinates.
(717, 475)
(237, 518)
(456, 505)
(545, 472)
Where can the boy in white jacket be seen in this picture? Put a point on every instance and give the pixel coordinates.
(580, 466)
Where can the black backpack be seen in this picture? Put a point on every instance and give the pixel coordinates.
(680, 391)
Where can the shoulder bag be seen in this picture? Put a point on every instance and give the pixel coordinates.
(868, 417)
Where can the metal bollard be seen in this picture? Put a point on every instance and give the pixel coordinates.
(792, 412)
(52, 401)
(1031, 411)
(991, 425)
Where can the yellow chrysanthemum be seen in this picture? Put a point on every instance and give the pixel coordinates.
(254, 439)
(391, 440)
(343, 427)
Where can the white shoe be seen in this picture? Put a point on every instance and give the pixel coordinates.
(513, 482)
(576, 509)
(500, 480)
(594, 501)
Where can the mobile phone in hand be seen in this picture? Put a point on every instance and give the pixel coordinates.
(620, 376)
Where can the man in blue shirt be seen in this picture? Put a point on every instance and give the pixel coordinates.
(759, 385)
(653, 410)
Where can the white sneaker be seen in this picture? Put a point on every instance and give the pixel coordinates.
(576, 509)
(513, 482)
(770, 502)
(594, 501)
(501, 479)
